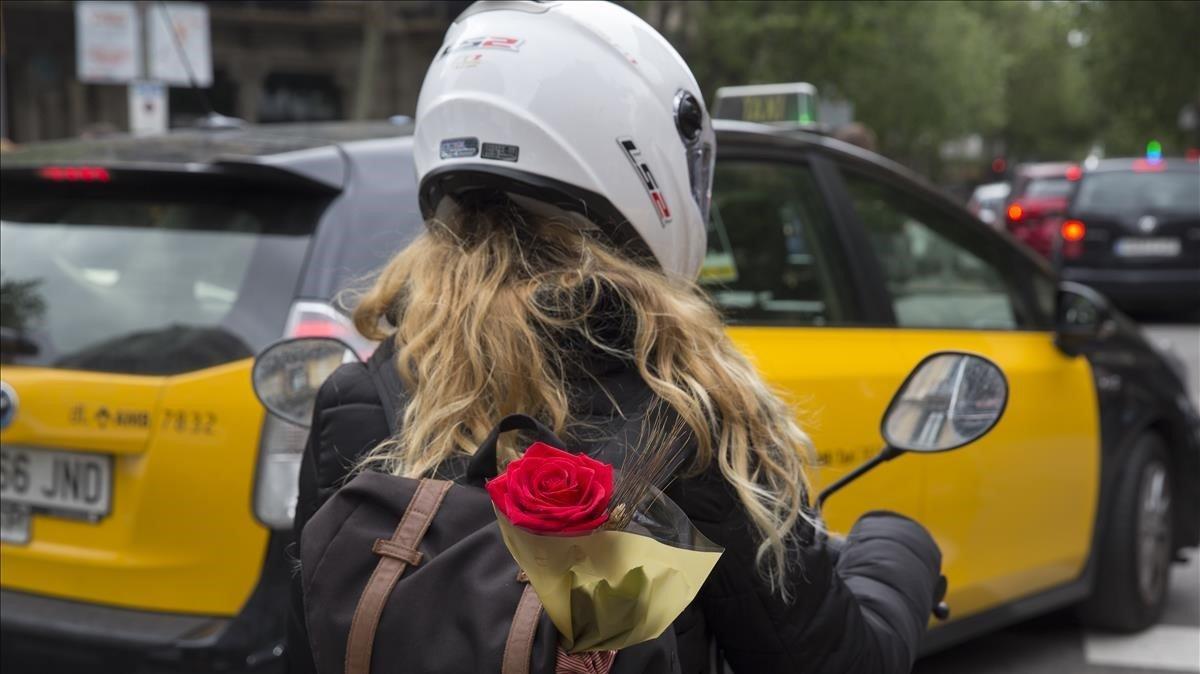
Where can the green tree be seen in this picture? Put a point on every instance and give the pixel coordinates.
(1042, 80)
(918, 73)
(1144, 59)
(1047, 107)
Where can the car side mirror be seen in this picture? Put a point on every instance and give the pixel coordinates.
(951, 399)
(288, 374)
(1081, 317)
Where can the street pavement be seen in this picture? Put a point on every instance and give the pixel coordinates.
(1056, 644)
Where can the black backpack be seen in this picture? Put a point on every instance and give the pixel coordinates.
(408, 575)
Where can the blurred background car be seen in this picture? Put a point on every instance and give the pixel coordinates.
(987, 203)
(1132, 231)
(1038, 199)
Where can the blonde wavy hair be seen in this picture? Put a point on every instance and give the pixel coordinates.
(483, 307)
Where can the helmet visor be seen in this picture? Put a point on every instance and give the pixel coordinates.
(700, 158)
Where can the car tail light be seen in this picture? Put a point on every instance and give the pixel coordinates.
(75, 174)
(281, 444)
(318, 319)
(281, 447)
(1015, 212)
(1074, 173)
(1073, 230)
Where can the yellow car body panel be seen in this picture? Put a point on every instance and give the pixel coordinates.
(1013, 512)
(180, 536)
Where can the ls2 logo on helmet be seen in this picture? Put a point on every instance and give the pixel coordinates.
(643, 170)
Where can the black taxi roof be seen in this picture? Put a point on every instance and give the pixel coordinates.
(317, 154)
(311, 154)
(257, 142)
(202, 146)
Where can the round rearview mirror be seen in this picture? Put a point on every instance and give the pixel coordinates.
(288, 374)
(949, 400)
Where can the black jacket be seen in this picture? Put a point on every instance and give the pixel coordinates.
(863, 613)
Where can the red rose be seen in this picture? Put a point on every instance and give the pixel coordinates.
(549, 490)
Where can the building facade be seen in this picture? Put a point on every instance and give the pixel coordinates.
(273, 61)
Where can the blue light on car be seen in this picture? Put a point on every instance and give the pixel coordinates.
(1154, 152)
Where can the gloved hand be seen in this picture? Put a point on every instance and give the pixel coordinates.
(892, 547)
(835, 543)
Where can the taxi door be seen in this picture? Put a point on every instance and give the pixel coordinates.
(1013, 512)
(779, 271)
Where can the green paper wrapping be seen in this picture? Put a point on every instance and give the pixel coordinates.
(608, 590)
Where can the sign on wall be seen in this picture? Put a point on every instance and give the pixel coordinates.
(189, 20)
(108, 43)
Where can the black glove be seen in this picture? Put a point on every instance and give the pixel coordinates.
(894, 548)
(834, 544)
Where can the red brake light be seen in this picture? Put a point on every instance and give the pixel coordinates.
(310, 318)
(1073, 230)
(1074, 173)
(76, 174)
(319, 328)
(1147, 166)
(1015, 212)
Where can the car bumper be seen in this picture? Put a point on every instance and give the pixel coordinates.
(1136, 288)
(77, 622)
(49, 634)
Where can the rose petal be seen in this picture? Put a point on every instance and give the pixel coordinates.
(551, 490)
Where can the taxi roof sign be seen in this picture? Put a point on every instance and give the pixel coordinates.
(791, 104)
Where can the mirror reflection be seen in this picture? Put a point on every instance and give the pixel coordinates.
(951, 399)
(287, 375)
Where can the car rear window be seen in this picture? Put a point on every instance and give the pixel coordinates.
(147, 281)
(1131, 193)
(1048, 187)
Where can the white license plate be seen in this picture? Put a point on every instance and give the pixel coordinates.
(1148, 247)
(68, 484)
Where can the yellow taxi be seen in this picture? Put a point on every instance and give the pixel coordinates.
(146, 499)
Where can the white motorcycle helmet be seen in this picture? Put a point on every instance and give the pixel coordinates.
(580, 105)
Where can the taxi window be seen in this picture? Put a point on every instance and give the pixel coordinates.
(767, 260)
(153, 283)
(938, 275)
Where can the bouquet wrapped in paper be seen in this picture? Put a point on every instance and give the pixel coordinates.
(612, 567)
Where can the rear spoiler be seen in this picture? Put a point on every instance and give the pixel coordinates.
(298, 176)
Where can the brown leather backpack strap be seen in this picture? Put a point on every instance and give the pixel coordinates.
(518, 650)
(394, 557)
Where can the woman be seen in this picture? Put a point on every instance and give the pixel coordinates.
(565, 158)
